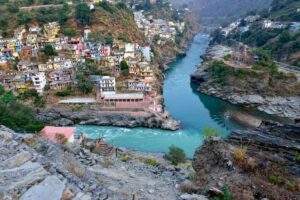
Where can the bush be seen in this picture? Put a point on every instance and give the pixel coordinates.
(64, 93)
(239, 155)
(152, 162)
(227, 57)
(175, 155)
(70, 32)
(125, 158)
(297, 157)
(210, 132)
(220, 71)
(276, 179)
(227, 195)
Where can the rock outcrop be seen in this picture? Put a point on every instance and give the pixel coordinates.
(253, 164)
(65, 117)
(287, 107)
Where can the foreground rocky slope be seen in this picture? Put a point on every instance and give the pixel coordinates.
(253, 164)
(32, 168)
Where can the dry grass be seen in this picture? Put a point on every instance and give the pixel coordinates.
(240, 155)
(61, 139)
(74, 167)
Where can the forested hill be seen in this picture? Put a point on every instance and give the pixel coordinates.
(107, 20)
(219, 11)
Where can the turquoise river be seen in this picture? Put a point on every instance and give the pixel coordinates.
(195, 111)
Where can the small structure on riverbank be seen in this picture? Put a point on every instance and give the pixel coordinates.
(58, 134)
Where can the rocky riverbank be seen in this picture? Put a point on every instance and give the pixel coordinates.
(32, 168)
(88, 116)
(277, 105)
(252, 164)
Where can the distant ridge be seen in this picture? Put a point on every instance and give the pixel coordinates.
(219, 11)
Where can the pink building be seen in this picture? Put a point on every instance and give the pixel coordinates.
(52, 133)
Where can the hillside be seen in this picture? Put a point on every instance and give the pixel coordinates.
(277, 37)
(220, 11)
(114, 21)
(285, 10)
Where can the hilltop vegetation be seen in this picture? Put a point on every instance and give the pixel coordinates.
(108, 20)
(282, 43)
(285, 10)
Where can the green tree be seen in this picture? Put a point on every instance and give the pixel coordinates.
(2, 91)
(13, 8)
(175, 155)
(84, 84)
(83, 13)
(124, 67)
(70, 32)
(49, 50)
(8, 98)
(24, 18)
(285, 37)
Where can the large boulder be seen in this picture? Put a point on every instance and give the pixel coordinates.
(50, 189)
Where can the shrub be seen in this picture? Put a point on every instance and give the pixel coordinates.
(297, 157)
(125, 158)
(227, 57)
(227, 195)
(70, 32)
(151, 162)
(219, 71)
(74, 167)
(276, 179)
(175, 155)
(63, 93)
(210, 132)
(239, 155)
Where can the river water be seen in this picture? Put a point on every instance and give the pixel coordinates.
(195, 111)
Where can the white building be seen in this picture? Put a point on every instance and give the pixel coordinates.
(129, 50)
(106, 84)
(39, 82)
(146, 51)
(139, 86)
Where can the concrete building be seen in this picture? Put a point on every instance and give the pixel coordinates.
(39, 82)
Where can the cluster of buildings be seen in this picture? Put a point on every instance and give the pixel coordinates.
(23, 66)
(243, 25)
(163, 29)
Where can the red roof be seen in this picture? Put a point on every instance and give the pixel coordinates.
(50, 132)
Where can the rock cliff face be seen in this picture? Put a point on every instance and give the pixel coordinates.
(254, 164)
(66, 117)
(287, 107)
(32, 169)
